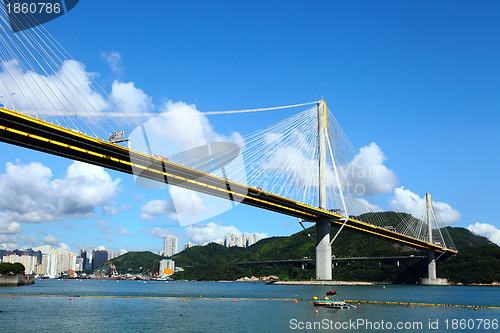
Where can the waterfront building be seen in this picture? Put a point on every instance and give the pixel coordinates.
(99, 257)
(166, 267)
(188, 245)
(85, 259)
(170, 246)
(250, 240)
(231, 240)
(30, 262)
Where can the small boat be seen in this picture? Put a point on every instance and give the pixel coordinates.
(340, 305)
(331, 292)
(334, 304)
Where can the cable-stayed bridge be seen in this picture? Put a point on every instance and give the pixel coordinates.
(303, 166)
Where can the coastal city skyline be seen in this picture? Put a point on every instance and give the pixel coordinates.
(52, 201)
(51, 262)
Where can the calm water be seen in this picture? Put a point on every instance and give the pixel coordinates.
(253, 311)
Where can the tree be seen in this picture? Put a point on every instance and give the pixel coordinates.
(8, 268)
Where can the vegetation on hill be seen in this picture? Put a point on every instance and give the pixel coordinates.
(209, 253)
(478, 260)
(135, 262)
(8, 268)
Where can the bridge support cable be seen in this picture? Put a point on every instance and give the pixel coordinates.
(346, 215)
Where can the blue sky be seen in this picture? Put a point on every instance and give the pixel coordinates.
(421, 79)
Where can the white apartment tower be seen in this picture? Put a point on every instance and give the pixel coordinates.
(170, 246)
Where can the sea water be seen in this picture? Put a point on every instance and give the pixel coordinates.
(176, 306)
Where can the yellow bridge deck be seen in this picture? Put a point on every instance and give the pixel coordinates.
(28, 132)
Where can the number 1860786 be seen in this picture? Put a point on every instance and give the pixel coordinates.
(33, 8)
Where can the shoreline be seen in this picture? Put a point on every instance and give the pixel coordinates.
(325, 283)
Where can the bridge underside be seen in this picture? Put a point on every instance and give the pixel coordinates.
(24, 131)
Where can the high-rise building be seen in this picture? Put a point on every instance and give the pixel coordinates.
(85, 260)
(30, 263)
(170, 246)
(188, 245)
(99, 257)
(240, 241)
(166, 267)
(231, 240)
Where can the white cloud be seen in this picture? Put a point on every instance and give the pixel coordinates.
(130, 99)
(8, 246)
(29, 240)
(104, 226)
(158, 207)
(406, 201)
(200, 234)
(187, 126)
(152, 209)
(70, 88)
(186, 201)
(147, 217)
(114, 60)
(486, 230)
(111, 227)
(122, 231)
(111, 211)
(7, 226)
(358, 206)
(179, 128)
(51, 240)
(260, 235)
(161, 233)
(367, 171)
(7, 239)
(29, 194)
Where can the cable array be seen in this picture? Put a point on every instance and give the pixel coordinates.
(41, 79)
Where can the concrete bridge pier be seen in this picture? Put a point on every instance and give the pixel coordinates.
(323, 250)
(431, 254)
(432, 279)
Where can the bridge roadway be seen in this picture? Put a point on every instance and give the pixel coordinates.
(298, 261)
(28, 132)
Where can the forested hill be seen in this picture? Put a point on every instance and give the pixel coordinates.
(478, 260)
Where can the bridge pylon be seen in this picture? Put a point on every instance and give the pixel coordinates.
(432, 278)
(323, 246)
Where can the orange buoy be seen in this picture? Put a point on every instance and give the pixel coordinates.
(295, 300)
(475, 309)
(13, 297)
(316, 312)
(70, 298)
(286, 300)
(127, 299)
(310, 302)
(412, 306)
(184, 301)
(234, 301)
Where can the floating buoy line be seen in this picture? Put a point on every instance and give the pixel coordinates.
(294, 300)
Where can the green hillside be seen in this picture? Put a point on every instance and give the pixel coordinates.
(135, 262)
(208, 253)
(478, 260)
